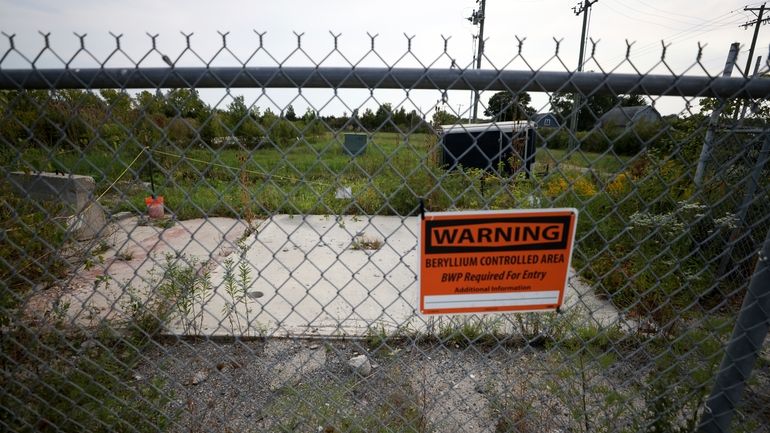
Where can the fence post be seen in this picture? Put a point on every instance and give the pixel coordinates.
(742, 349)
(742, 230)
(705, 151)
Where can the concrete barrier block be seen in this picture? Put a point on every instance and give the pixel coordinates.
(85, 217)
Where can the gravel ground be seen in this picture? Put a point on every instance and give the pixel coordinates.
(308, 386)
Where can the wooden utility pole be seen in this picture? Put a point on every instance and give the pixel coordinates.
(756, 23)
(477, 18)
(758, 12)
(583, 8)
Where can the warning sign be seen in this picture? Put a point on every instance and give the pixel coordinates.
(493, 261)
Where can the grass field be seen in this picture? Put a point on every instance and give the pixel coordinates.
(600, 162)
(302, 178)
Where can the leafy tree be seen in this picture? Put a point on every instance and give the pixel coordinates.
(312, 125)
(121, 116)
(414, 122)
(279, 131)
(120, 105)
(753, 110)
(22, 119)
(214, 127)
(241, 121)
(383, 114)
(309, 115)
(632, 100)
(368, 120)
(290, 114)
(401, 119)
(77, 115)
(592, 108)
(443, 117)
(150, 104)
(505, 106)
(185, 103)
(236, 112)
(268, 118)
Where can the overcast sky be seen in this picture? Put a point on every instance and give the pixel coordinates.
(683, 23)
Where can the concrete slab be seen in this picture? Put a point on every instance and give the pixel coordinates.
(134, 258)
(308, 276)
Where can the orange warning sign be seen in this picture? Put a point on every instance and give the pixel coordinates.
(494, 261)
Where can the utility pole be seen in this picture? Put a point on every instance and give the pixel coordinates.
(583, 8)
(473, 53)
(477, 19)
(758, 12)
(756, 23)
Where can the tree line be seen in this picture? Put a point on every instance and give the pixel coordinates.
(505, 106)
(81, 118)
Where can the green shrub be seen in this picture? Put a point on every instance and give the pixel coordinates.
(281, 132)
(31, 240)
(622, 141)
(59, 384)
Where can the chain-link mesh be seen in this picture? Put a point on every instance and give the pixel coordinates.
(182, 250)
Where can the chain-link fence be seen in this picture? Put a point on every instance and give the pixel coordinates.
(182, 250)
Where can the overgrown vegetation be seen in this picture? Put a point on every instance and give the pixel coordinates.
(186, 283)
(59, 379)
(648, 240)
(63, 376)
(32, 241)
(237, 281)
(618, 141)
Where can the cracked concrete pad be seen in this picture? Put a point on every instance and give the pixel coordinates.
(308, 276)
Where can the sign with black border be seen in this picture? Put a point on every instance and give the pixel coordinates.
(495, 261)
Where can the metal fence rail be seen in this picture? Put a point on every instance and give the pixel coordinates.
(181, 250)
(587, 83)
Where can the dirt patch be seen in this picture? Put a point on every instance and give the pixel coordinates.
(307, 386)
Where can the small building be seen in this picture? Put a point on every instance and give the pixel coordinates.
(502, 147)
(623, 117)
(545, 120)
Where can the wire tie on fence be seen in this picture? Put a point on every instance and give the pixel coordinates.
(422, 208)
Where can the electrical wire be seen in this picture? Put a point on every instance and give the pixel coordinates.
(724, 20)
(691, 21)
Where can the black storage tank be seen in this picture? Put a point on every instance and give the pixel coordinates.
(501, 147)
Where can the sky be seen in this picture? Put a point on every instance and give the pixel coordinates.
(539, 23)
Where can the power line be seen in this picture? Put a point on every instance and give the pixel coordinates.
(700, 25)
(720, 21)
(691, 20)
(667, 12)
